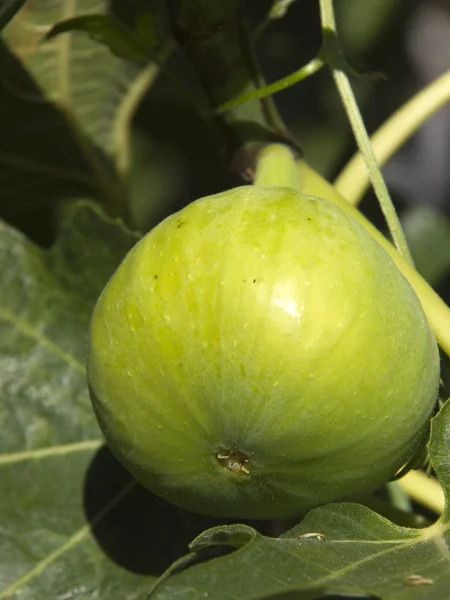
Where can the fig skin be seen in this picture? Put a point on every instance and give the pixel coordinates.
(258, 354)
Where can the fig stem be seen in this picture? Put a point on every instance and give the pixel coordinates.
(276, 166)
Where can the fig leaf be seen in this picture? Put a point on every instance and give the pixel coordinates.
(53, 486)
(65, 135)
(107, 30)
(8, 9)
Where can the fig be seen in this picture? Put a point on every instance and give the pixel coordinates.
(257, 354)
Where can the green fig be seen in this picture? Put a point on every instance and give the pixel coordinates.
(258, 354)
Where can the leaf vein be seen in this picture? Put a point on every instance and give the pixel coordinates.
(42, 340)
(40, 453)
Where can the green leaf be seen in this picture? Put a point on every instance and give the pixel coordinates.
(40, 159)
(107, 30)
(73, 524)
(50, 438)
(235, 536)
(68, 107)
(337, 549)
(439, 450)
(80, 75)
(8, 9)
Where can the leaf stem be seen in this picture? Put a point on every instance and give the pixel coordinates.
(310, 68)
(332, 55)
(353, 180)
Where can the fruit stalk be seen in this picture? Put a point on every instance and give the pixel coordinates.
(276, 166)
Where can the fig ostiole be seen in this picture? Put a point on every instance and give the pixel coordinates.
(258, 354)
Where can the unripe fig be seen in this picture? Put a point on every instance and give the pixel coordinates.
(258, 354)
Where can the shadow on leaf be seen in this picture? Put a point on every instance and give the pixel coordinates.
(142, 532)
(43, 154)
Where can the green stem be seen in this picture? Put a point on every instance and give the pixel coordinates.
(332, 55)
(276, 166)
(124, 116)
(310, 68)
(353, 180)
